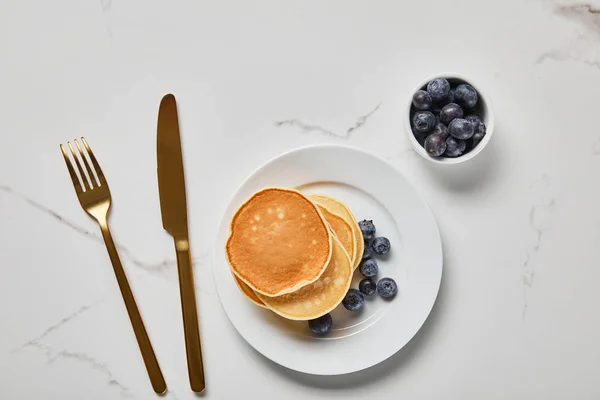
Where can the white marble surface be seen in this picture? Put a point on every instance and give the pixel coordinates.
(517, 313)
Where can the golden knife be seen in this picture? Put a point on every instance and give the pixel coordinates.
(171, 189)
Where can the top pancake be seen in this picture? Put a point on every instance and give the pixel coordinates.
(279, 242)
(339, 208)
(339, 227)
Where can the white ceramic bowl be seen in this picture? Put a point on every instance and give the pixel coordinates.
(486, 114)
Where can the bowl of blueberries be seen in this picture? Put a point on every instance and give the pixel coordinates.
(450, 120)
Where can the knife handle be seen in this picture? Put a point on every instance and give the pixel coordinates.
(190, 316)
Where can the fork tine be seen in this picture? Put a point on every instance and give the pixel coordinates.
(87, 165)
(97, 168)
(84, 180)
(74, 177)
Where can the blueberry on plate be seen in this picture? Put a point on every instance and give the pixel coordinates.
(321, 325)
(460, 129)
(449, 112)
(440, 129)
(455, 147)
(368, 268)
(380, 245)
(354, 300)
(386, 287)
(435, 145)
(367, 228)
(423, 121)
(438, 88)
(422, 100)
(367, 252)
(367, 287)
(466, 96)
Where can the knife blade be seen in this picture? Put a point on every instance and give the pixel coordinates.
(171, 180)
(173, 206)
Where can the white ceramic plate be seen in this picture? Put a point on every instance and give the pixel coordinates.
(372, 189)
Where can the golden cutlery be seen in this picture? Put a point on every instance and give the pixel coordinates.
(94, 197)
(171, 188)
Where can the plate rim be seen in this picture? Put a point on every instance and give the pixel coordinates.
(333, 146)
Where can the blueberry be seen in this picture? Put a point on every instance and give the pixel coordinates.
(367, 228)
(386, 287)
(380, 245)
(451, 95)
(438, 88)
(367, 286)
(368, 268)
(466, 96)
(354, 300)
(460, 129)
(422, 100)
(440, 129)
(455, 147)
(477, 136)
(446, 100)
(479, 127)
(449, 112)
(469, 145)
(423, 121)
(367, 252)
(321, 325)
(435, 145)
(475, 120)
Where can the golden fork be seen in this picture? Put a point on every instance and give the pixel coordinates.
(94, 197)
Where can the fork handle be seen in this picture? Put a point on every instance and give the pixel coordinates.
(191, 331)
(156, 377)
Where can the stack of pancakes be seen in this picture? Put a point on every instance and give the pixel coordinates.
(293, 253)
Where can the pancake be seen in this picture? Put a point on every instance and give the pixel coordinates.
(339, 227)
(339, 208)
(320, 297)
(248, 292)
(342, 230)
(279, 242)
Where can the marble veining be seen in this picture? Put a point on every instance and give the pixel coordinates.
(157, 267)
(106, 5)
(539, 216)
(58, 325)
(52, 356)
(584, 46)
(106, 8)
(308, 127)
